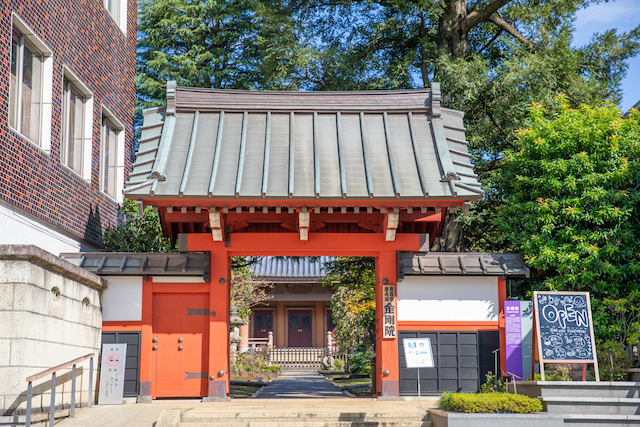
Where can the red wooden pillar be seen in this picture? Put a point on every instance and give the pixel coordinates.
(147, 359)
(219, 307)
(387, 369)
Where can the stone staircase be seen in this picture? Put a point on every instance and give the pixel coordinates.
(310, 413)
(588, 404)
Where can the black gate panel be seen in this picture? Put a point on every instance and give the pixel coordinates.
(489, 341)
(132, 366)
(461, 360)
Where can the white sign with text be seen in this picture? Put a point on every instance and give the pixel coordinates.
(417, 352)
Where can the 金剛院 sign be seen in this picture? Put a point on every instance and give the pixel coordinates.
(389, 311)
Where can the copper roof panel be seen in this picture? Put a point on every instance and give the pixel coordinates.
(357, 145)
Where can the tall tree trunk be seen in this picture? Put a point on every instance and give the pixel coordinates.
(452, 237)
(452, 37)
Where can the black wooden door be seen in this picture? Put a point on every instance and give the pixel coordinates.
(132, 362)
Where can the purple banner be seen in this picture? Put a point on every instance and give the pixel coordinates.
(513, 337)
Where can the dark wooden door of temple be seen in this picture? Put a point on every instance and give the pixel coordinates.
(262, 323)
(299, 328)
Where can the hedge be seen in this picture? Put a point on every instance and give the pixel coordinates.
(489, 402)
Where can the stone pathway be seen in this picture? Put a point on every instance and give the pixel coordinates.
(300, 385)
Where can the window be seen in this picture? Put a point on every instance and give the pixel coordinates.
(29, 95)
(112, 157)
(118, 11)
(73, 125)
(25, 88)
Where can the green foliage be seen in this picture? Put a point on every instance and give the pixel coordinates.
(489, 402)
(251, 362)
(492, 384)
(339, 364)
(613, 361)
(137, 233)
(570, 199)
(618, 319)
(561, 373)
(353, 301)
(360, 362)
(246, 292)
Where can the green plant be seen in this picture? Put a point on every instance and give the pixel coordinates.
(360, 362)
(613, 361)
(339, 364)
(272, 368)
(489, 403)
(492, 385)
(136, 233)
(248, 362)
(561, 373)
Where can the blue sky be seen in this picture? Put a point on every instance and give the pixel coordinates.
(623, 15)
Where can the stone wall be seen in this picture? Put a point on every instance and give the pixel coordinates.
(50, 313)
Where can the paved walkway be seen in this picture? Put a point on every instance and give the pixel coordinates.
(300, 385)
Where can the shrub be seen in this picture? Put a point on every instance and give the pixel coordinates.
(491, 385)
(613, 353)
(360, 362)
(272, 368)
(339, 364)
(489, 403)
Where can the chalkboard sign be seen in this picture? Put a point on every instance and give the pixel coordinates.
(564, 327)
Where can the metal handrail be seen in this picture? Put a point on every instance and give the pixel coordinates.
(52, 372)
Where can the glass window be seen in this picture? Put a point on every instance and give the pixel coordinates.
(25, 88)
(108, 158)
(294, 321)
(258, 321)
(113, 6)
(267, 321)
(306, 322)
(73, 106)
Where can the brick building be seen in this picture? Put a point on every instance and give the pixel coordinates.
(66, 104)
(67, 94)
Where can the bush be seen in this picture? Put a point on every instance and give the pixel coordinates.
(339, 364)
(360, 362)
(272, 368)
(492, 385)
(611, 352)
(489, 403)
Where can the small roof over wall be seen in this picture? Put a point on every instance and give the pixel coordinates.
(290, 269)
(142, 264)
(456, 263)
(224, 144)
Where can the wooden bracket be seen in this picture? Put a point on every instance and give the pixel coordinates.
(216, 222)
(304, 219)
(390, 225)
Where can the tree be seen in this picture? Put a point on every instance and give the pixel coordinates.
(247, 292)
(214, 44)
(571, 200)
(136, 233)
(353, 302)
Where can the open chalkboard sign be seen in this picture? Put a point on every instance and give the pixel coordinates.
(564, 328)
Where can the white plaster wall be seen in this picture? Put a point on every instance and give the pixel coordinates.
(39, 330)
(178, 279)
(19, 228)
(448, 298)
(122, 300)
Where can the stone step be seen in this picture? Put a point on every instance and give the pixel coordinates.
(320, 414)
(307, 423)
(592, 405)
(589, 389)
(586, 420)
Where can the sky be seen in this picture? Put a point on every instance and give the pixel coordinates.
(623, 15)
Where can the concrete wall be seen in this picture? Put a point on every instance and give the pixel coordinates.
(448, 298)
(40, 330)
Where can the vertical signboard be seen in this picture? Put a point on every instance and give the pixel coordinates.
(513, 338)
(564, 328)
(389, 311)
(112, 374)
